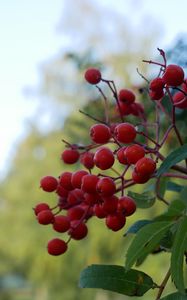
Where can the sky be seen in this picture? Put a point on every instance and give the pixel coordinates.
(29, 36)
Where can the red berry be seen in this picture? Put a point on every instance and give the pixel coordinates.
(157, 84)
(123, 108)
(76, 179)
(145, 166)
(57, 246)
(45, 217)
(137, 109)
(92, 76)
(106, 186)
(127, 96)
(70, 156)
(61, 223)
(104, 158)
(100, 133)
(91, 199)
(87, 160)
(41, 206)
(89, 183)
(49, 183)
(78, 230)
(138, 178)
(133, 153)
(75, 213)
(115, 221)
(156, 95)
(61, 191)
(125, 133)
(99, 211)
(76, 196)
(173, 75)
(180, 100)
(126, 205)
(65, 181)
(121, 156)
(110, 204)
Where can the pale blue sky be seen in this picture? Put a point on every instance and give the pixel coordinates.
(28, 37)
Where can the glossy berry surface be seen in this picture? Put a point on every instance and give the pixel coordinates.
(104, 158)
(61, 223)
(127, 96)
(126, 205)
(133, 153)
(89, 183)
(125, 133)
(87, 159)
(70, 156)
(173, 75)
(49, 183)
(78, 230)
(45, 217)
(100, 133)
(145, 166)
(106, 186)
(41, 206)
(56, 247)
(115, 221)
(92, 76)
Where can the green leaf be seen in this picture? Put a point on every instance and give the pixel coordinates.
(174, 187)
(183, 195)
(173, 158)
(144, 200)
(163, 186)
(175, 209)
(175, 296)
(116, 279)
(146, 240)
(137, 226)
(177, 256)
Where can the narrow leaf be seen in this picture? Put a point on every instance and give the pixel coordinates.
(173, 158)
(137, 226)
(116, 279)
(146, 240)
(174, 187)
(175, 296)
(183, 195)
(177, 256)
(144, 200)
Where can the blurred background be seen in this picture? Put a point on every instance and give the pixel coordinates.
(45, 48)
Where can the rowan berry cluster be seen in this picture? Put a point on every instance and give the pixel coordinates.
(92, 191)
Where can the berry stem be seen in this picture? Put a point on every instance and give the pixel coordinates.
(163, 284)
(105, 105)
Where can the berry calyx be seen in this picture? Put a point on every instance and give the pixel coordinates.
(57, 247)
(92, 76)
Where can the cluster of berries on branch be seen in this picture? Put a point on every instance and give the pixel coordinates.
(117, 149)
